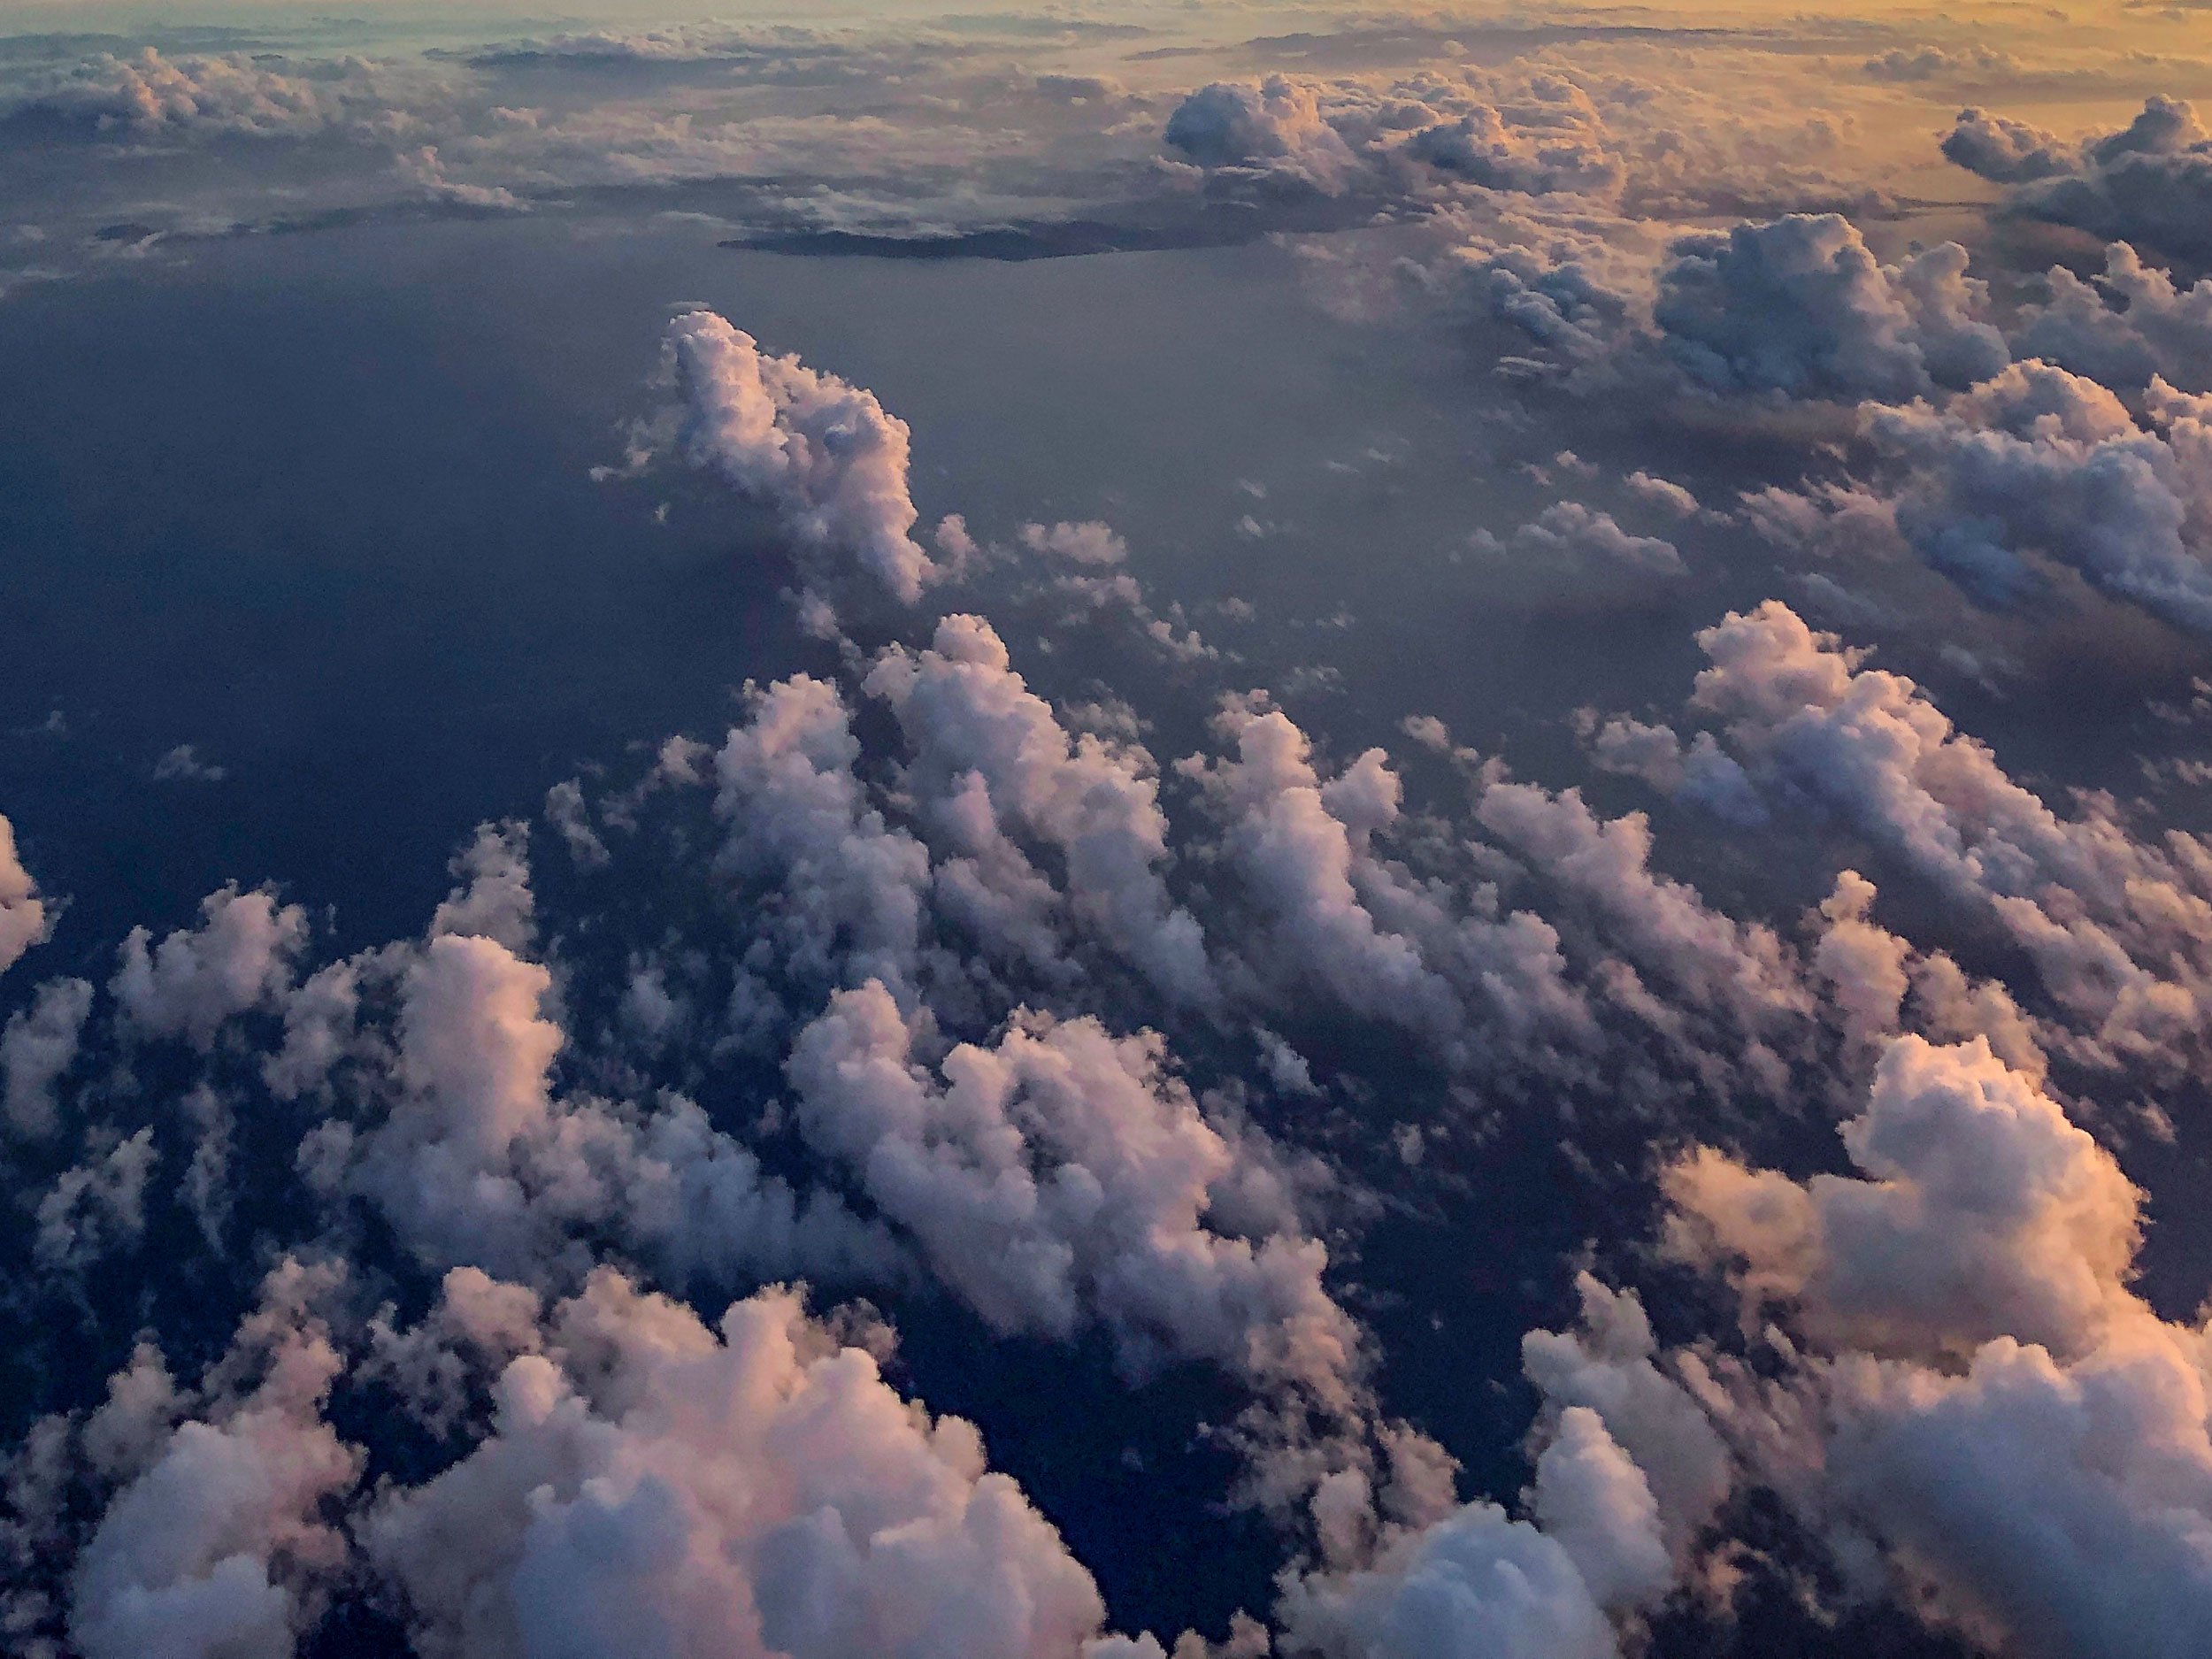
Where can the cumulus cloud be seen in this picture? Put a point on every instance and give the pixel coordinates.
(148, 95)
(1980, 1397)
(479, 1161)
(1534, 134)
(2003, 151)
(970, 717)
(1065, 1175)
(1800, 306)
(1294, 839)
(96, 1206)
(2130, 325)
(844, 889)
(1978, 1211)
(2117, 926)
(216, 1544)
(39, 1044)
(23, 918)
(821, 451)
(240, 958)
(495, 900)
(657, 1487)
(1568, 530)
(1663, 926)
(2147, 183)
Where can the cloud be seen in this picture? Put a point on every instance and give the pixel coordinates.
(2121, 944)
(1568, 530)
(96, 1206)
(844, 890)
(214, 1547)
(1063, 1175)
(2033, 465)
(148, 95)
(1274, 128)
(1978, 1211)
(1090, 542)
(1979, 1395)
(23, 918)
(183, 763)
(968, 715)
(496, 902)
(820, 451)
(2003, 151)
(477, 1161)
(39, 1044)
(565, 809)
(1739, 969)
(1800, 306)
(239, 959)
(2129, 326)
(2149, 184)
(1295, 839)
(1536, 134)
(657, 1487)
(1663, 494)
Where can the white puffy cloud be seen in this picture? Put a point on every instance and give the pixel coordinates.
(40, 1044)
(1486, 988)
(844, 891)
(479, 1162)
(1663, 926)
(23, 919)
(1570, 530)
(1274, 128)
(496, 901)
(1974, 1391)
(1296, 842)
(2126, 327)
(214, 1549)
(1479, 1584)
(1800, 306)
(1661, 493)
(657, 1487)
(2149, 184)
(240, 958)
(2119, 928)
(1608, 1364)
(1063, 1175)
(821, 451)
(2003, 151)
(2039, 462)
(1979, 1211)
(96, 1206)
(967, 715)
(1535, 135)
(1088, 542)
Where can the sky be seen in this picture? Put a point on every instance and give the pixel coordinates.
(1117, 831)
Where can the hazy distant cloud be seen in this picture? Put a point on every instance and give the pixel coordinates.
(148, 96)
(1570, 530)
(2148, 183)
(183, 763)
(2004, 152)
